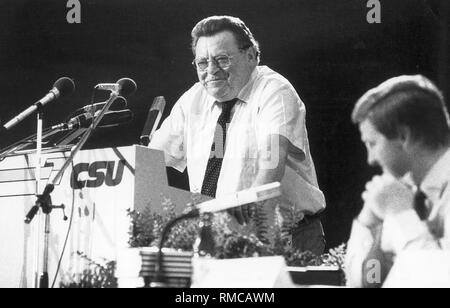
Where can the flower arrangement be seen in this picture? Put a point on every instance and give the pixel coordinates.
(146, 228)
(96, 275)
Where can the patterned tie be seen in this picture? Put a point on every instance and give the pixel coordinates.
(212, 173)
(420, 205)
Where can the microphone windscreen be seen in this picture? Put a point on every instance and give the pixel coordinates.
(127, 86)
(120, 103)
(65, 86)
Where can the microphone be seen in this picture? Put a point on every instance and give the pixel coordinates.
(119, 104)
(153, 118)
(61, 88)
(124, 87)
(111, 118)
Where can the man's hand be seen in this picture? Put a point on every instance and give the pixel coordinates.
(368, 218)
(386, 195)
(272, 158)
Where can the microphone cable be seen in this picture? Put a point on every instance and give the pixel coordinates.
(67, 235)
(69, 228)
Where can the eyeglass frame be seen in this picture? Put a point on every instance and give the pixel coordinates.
(194, 63)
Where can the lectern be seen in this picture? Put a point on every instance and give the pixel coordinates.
(97, 190)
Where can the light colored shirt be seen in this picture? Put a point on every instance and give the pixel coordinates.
(268, 104)
(404, 230)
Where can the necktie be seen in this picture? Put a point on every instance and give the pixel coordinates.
(420, 206)
(212, 173)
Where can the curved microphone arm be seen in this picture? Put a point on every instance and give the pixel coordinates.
(158, 279)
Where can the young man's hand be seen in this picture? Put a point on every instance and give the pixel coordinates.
(386, 195)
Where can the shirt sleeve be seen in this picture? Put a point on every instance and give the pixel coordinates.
(406, 231)
(169, 138)
(283, 113)
(445, 243)
(358, 248)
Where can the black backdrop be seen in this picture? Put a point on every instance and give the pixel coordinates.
(325, 48)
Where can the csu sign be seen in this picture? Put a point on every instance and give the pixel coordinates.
(97, 174)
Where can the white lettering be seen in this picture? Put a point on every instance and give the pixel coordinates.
(374, 271)
(374, 15)
(187, 298)
(247, 298)
(74, 14)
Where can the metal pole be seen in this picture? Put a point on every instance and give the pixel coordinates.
(37, 231)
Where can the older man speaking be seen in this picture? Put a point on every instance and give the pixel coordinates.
(243, 125)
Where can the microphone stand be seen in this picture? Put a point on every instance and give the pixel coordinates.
(44, 200)
(38, 160)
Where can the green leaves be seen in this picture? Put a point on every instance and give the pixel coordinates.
(96, 275)
(147, 226)
(266, 240)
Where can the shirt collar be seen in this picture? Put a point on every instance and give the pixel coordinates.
(437, 178)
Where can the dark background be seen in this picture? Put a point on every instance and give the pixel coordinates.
(325, 48)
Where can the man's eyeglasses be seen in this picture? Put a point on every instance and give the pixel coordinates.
(222, 61)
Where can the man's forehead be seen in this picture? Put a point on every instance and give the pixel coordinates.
(224, 40)
(367, 130)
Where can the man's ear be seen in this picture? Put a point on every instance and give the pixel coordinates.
(251, 54)
(405, 137)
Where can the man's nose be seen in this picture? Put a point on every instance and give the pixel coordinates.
(212, 67)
